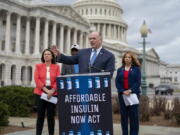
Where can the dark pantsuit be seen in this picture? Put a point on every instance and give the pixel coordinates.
(131, 112)
(42, 107)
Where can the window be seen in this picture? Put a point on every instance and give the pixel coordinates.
(23, 26)
(3, 45)
(101, 11)
(4, 22)
(14, 24)
(13, 46)
(82, 11)
(175, 79)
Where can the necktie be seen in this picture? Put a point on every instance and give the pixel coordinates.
(76, 68)
(93, 57)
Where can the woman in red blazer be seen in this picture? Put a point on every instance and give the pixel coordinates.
(45, 79)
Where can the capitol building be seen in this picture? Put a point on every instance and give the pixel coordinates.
(27, 27)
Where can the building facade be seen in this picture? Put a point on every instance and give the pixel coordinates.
(173, 73)
(105, 16)
(27, 27)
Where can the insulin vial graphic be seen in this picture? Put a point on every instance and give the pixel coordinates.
(77, 83)
(107, 133)
(92, 133)
(99, 132)
(89, 83)
(78, 133)
(61, 84)
(97, 82)
(70, 132)
(69, 83)
(105, 82)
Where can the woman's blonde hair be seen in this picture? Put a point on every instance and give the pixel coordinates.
(135, 61)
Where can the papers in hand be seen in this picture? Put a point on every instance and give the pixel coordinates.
(51, 100)
(132, 99)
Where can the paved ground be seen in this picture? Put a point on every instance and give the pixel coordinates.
(144, 130)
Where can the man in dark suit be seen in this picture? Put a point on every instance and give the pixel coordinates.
(94, 59)
(71, 69)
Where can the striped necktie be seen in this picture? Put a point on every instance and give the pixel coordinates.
(93, 57)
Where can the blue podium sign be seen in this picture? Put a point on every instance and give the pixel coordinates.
(84, 104)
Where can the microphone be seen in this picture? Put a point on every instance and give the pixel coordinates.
(101, 70)
(93, 67)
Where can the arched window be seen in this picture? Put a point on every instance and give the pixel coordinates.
(95, 11)
(82, 11)
(23, 74)
(109, 12)
(101, 11)
(13, 74)
(91, 11)
(2, 74)
(29, 74)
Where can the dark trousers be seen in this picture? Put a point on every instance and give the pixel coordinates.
(42, 107)
(131, 113)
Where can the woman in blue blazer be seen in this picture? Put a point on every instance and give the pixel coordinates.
(128, 80)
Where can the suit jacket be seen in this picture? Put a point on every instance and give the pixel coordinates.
(134, 79)
(104, 61)
(67, 69)
(40, 77)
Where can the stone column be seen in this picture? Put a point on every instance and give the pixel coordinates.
(37, 36)
(87, 40)
(81, 39)
(121, 33)
(115, 34)
(18, 34)
(27, 36)
(109, 31)
(68, 40)
(61, 46)
(75, 37)
(18, 75)
(8, 32)
(54, 34)
(7, 79)
(125, 34)
(104, 31)
(46, 31)
(98, 27)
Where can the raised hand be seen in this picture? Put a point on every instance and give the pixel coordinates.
(55, 50)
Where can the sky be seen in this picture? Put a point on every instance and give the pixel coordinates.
(161, 16)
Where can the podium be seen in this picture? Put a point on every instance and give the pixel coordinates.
(84, 104)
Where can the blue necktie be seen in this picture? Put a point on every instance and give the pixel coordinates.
(93, 57)
(76, 68)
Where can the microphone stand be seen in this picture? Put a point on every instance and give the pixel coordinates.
(90, 66)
